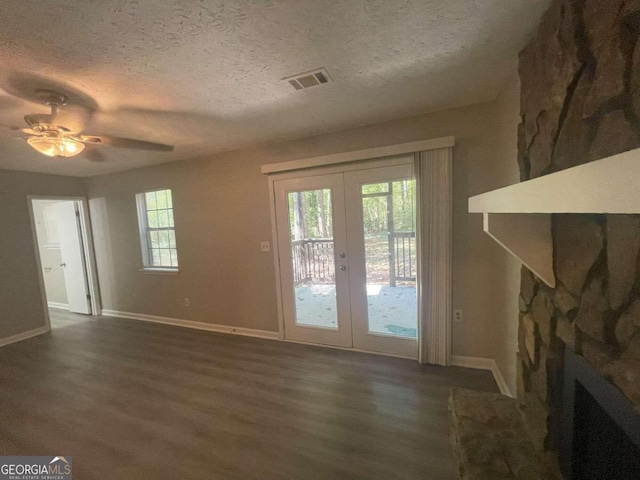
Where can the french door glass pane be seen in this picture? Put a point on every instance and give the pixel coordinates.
(388, 214)
(312, 255)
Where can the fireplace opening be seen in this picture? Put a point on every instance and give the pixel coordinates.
(600, 427)
(601, 449)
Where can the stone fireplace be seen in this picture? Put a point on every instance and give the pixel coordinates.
(580, 102)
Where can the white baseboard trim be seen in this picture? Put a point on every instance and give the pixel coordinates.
(58, 305)
(210, 327)
(23, 336)
(480, 363)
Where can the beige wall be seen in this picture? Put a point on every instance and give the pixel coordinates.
(492, 287)
(21, 306)
(222, 214)
(50, 258)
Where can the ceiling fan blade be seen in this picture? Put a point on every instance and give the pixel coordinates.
(36, 118)
(29, 131)
(125, 143)
(73, 117)
(94, 155)
(11, 127)
(8, 103)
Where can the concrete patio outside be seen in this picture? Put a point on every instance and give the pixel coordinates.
(391, 310)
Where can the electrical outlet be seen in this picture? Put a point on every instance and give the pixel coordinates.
(457, 315)
(187, 303)
(265, 247)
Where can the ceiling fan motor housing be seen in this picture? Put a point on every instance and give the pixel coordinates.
(51, 98)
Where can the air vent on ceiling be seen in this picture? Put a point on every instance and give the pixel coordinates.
(308, 79)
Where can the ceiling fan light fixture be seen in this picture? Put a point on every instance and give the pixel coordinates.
(56, 147)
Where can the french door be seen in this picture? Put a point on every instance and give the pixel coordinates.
(347, 254)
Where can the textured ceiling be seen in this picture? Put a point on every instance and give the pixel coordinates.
(205, 75)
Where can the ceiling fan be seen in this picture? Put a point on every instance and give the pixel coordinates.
(49, 137)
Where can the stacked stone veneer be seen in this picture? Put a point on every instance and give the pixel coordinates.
(580, 102)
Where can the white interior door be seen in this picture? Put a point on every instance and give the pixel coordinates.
(312, 245)
(347, 256)
(73, 261)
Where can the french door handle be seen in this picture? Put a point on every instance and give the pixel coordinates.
(63, 265)
(343, 267)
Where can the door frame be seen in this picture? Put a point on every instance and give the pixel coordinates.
(402, 159)
(87, 244)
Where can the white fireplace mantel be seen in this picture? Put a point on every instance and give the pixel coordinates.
(518, 217)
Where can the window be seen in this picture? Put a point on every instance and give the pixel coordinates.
(157, 233)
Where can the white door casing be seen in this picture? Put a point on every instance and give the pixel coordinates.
(433, 171)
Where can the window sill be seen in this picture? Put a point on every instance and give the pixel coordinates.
(159, 271)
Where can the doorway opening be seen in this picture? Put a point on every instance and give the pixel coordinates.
(66, 262)
(347, 257)
(388, 220)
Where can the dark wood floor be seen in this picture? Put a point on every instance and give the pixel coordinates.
(134, 400)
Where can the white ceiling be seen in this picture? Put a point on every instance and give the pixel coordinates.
(205, 75)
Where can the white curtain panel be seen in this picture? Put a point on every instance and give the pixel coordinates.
(433, 171)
